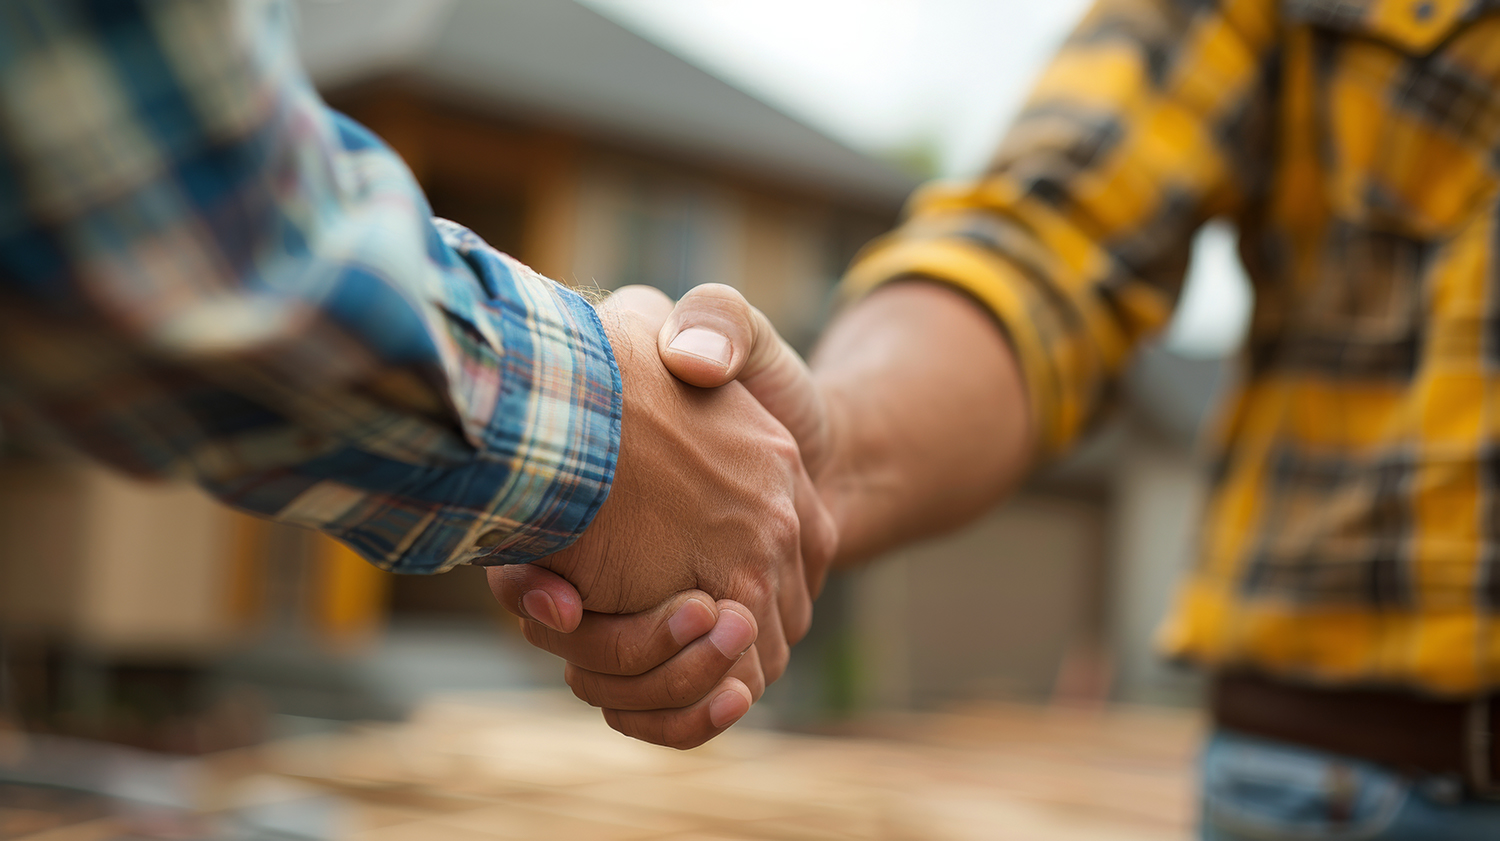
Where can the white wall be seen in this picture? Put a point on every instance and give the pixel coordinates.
(1158, 497)
(990, 611)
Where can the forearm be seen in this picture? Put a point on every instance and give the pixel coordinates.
(259, 300)
(1077, 234)
(929, 415)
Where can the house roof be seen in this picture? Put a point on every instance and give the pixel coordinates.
(560, 61)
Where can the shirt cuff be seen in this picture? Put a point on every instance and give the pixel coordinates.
(1030, 321)
(537, 389)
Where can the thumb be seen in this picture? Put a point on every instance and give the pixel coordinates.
(714, 336)
(531, 592)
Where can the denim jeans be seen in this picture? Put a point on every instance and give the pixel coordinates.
(1269, 791)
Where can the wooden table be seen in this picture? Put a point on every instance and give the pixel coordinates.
(545, 767)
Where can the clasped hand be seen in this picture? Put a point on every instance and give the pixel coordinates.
(681, 602)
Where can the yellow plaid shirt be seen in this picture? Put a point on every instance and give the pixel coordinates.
(1353, 535)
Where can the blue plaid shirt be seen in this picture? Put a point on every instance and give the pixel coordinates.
(205, 273)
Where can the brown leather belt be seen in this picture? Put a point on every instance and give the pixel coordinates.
(1399, 730)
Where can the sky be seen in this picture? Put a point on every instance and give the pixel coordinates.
(877, 74)
(948, 75)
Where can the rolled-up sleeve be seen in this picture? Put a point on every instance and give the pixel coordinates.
(1151, 119)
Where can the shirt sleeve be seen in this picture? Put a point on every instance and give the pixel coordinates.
(1152, 118)
(206, 273)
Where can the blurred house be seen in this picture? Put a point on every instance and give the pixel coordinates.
(598, 157)
(557, 135)
(602, 159)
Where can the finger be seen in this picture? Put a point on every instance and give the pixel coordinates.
(793, 596)
(679, 682)
(713, 336)
(772, 644)
(538, 594)
(648, 301)
(820, 536)
(688, 727)
(635, 643)
(749, 672)
(794, 602)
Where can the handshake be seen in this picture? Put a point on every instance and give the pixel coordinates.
(743, 475)
(680, 603)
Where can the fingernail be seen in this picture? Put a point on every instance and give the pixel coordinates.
(704, 343)
(727, 708)
(732, 635)
(538, 605)
(690, 622)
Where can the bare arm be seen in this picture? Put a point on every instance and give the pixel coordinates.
(928, 416)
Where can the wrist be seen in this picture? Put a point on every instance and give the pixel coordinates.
(852, 474)
(927, 414)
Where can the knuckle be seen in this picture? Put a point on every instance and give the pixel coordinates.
(716, 292)
(780, 535)
(757, 589)
(787, 447)
(680, 689)
(586, 689)
(629, 655)
(784, 447)
(682, 733)
(788, 527)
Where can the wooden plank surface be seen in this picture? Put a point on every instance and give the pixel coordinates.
(543, 767)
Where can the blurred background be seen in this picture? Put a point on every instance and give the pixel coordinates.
(758, 143)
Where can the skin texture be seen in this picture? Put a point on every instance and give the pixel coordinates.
(912, 420)
(710, 496)
(929, 416)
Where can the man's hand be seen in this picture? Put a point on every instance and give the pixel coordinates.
(710, 495)
(913, 419)
(714, 317)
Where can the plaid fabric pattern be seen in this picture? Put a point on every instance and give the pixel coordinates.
(206, 274)
(1353, 533)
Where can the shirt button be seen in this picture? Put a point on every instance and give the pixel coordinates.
(489, 539)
